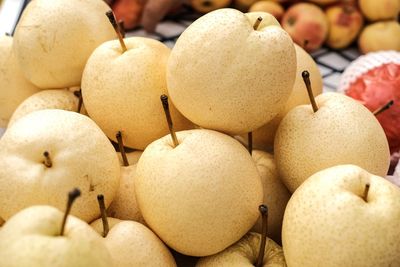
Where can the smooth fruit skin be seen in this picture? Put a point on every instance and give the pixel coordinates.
(271, 7)
(276, 195)
(54, 39)
(244, 253)
(342, 131)
(15, 88)
(383, 35)
(31, 238)
(121, 91)
(224, 75)
(328, 223)
(263, 137)
(205, 6)
(133, 244)
(380, 10)
(345, 23)
(201, 196)
(46, 99)
(82, 157)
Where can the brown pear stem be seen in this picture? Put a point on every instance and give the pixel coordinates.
(72, 195)
(121, 24)
(264, 229)
(117, 29)
(307, 82)
(257, 23)
(102, 206)
(78, 94)
(164, 100)
(250, 142)
(383, 108)
(47, 160)
(366, 190)
(122, 148)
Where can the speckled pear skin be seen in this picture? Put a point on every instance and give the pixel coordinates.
(244, 253)
(133, 244)
(276, 195)
(224, 75)
(122, 92)
(31, 238)
(263, 138)
(328, 223)
(46, 99)
(342, 131)
(15, 88)
(81, 154)
(201, 196)
(54, 39)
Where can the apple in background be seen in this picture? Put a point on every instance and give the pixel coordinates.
(263, 138)
(341, 131)
(42, 236)
(244, 253)
(46, 99)
(122, 96)
(46, 153)
(194, 196)
(205, 6)
(276, 194)
(15, 88)
(274, 8)
(343, 216)
(345, 23)
(306, 23)
(54, 39)
(231, 79)
(380, 10)
(324, 2)
(243, 5)
(1, 222)
(383, 35)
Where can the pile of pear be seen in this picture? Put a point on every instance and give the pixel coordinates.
(223, 148)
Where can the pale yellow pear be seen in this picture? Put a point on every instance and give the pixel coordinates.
(276, 195)
(332, 220)
(121, 91)
(133, 244)
(244, 253)
(32, 238)
(263, 138)
(97, 225)
(48, 152)
(133, 157)
(54, 39)
(342, 131)
(46, 99)
(201, 196)
(14, 87)
(227, 76)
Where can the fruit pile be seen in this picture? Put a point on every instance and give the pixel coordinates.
(337, 23)
(191, 127)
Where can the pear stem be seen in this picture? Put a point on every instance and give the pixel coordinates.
(250, 142)
(117, 29)
(72, 195)
(122, 148)
(106, 227)
(383, 108)
(264, 229)
(306, 78)
(164, 100)
(121, 24)
(366, 190)
(7, 34)
(78, 94)
(257, 23)
(47, 160)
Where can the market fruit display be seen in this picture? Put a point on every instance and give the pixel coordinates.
(147, 192)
